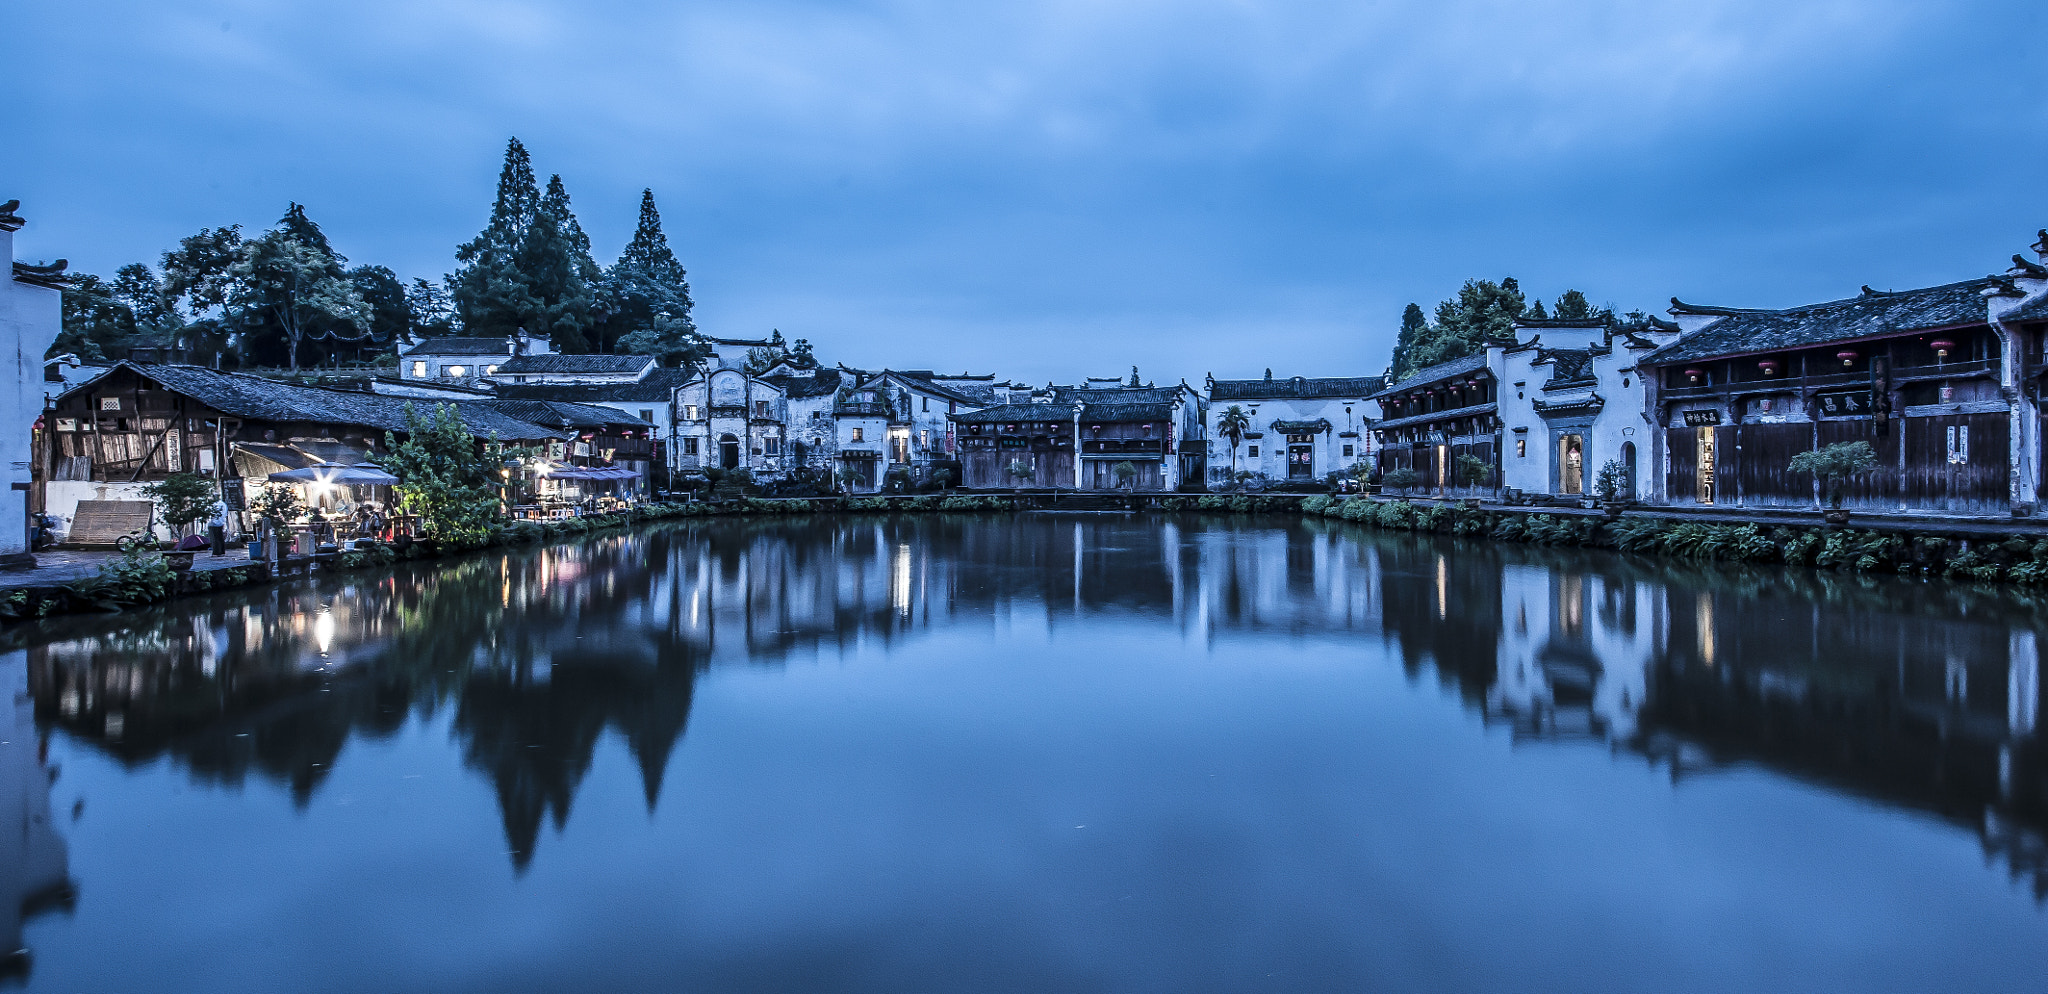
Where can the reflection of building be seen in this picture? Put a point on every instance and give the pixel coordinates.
(34, 873)
(1574, 652)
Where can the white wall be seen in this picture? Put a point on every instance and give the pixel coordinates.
(30, 318)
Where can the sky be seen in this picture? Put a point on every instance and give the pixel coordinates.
(1052, 190)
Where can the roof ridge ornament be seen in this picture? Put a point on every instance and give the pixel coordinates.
(10, 221)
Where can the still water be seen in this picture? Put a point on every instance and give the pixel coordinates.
(1050, 753)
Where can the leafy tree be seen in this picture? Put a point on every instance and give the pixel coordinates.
(445, 476)
(157, 321)
(430, 310)
(1413, 325)
(647, 296)
(1483, 312)
(1233, 424)
(276, 503)
(1573, 306)
(97, 324)
(181, 499)
(197, 275)
(300, 289)
(1125, 472)
(801, 355)
(1402, 479)
(762, 358)
(389, 303)
(1020, 471)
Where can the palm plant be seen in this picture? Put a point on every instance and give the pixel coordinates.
(1232, 424)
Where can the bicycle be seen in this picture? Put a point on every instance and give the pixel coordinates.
(141, 540)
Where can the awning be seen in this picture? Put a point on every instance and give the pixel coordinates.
(589, 473)
(361, 475)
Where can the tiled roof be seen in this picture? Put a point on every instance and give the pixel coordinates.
(656, 387)
(1871, 315)
(1567, 366)
(1115, 395)
(1300, 387)
(2032, 310)
(1126, 412)
(1017, 412)
(461, 346)
(575, 364)
(256, 398)
(1450, 415)
(818, 384)
(922, 380)
(1441, 371)
(1316, 427)
(561, 414)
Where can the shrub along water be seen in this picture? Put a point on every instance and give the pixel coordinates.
(2010, 559)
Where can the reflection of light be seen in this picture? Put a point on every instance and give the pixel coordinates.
(1703, 617)
(899, 589)
(323, 629)
(1443, 587)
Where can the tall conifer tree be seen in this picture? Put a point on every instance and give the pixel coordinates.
(491, 295)
(650, 295)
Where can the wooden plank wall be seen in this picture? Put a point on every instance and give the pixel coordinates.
(1681, 448)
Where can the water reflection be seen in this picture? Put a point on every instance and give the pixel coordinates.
(1922, 696)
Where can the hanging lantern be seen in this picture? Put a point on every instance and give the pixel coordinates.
(1695, 374)
(1848, 357)
(1769, 366)
(1941, 348)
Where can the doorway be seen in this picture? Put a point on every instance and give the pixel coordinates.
(1443, 467)
(1704, 478)
(1301, 457)
(1571, 464)
(728, 451)
(1628, 470)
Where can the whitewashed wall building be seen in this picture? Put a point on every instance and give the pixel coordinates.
(31, 315)
(1303, 427)
(1571, 400)
(731, 419)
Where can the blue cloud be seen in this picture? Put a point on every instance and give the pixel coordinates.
(1051, 189)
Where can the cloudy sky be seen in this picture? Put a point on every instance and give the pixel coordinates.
(1057, 189)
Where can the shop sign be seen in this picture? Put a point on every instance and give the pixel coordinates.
(1703, 418)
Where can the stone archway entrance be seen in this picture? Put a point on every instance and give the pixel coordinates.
(728, 451)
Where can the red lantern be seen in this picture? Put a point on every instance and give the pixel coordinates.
(1769, 366)
(1695, 374)
(1942, 347)
(1848, 357)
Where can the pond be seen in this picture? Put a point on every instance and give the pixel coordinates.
(1036, 753)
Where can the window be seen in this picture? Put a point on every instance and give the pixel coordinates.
(1521, 448)
(419, 369)
(1254, 453)
(1347, 451)
(689, 446)
(760, 408)
(455, 371)
(689, 412)
(927, 404)
(859, 434)
(924, 438)
(774, 446)
(491, 370)
(647, 415)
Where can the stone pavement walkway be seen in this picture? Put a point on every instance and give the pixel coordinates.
(59, 566)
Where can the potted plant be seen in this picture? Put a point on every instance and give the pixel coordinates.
(1473, 472)
(1020, 470)
(1402, 480)
(274, 505)
(1612, 485)
(1832, 466)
